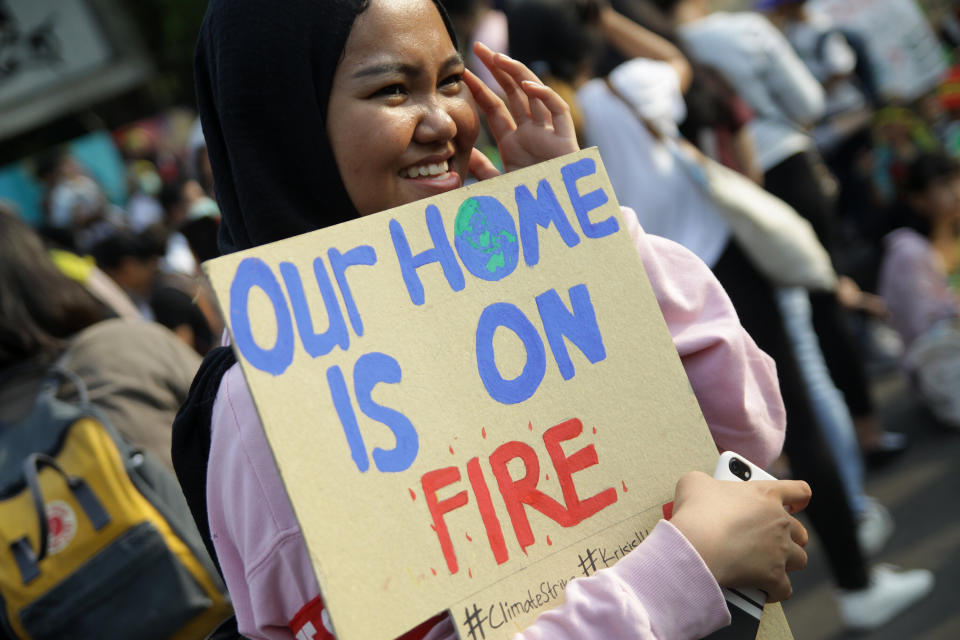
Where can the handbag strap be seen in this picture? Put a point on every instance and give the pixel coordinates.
(689, 162)
(649, 126)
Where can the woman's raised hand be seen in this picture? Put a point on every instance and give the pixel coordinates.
(533, 125)
(742, 531)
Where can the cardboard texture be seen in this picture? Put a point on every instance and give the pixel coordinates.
(466, 429)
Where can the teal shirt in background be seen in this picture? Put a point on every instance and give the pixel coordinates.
(97, 154)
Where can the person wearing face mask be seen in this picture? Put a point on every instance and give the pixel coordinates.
(316, 114)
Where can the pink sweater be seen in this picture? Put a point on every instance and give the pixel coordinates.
(913, 283)
(662, 589)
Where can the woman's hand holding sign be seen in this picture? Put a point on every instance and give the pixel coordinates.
(533, 125)
(742, 531)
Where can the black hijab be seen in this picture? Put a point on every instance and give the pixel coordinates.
(264, 71)
(263, 75)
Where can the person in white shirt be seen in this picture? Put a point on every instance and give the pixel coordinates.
(787, 99)
(763, 67)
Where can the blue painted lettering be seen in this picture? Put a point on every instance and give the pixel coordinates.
(254, 272)
(348, 419)
(370, 370)
(583, 204)
(441, 252)
(541, 210)
(580, 327)
(504, 314)
(316, 344)
(362, 255)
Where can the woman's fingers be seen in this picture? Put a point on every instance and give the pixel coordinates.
(517, 70)
(559, 109)
(485, 53)
(530, 122)
(741, 531)
(516, 98)
(779, 590)
(796, 558)
(498, 116)
(538, 110)
(535, 90)
(794, 494)
(798, 533)
(500, 66)
(481, 167)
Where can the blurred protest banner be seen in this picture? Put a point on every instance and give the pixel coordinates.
(905, 53)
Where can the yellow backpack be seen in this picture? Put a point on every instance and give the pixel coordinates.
(96, 540)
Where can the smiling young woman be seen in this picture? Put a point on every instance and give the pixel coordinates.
(317, 112)
(410, 90)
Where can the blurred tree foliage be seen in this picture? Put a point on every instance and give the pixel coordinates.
(169, 31)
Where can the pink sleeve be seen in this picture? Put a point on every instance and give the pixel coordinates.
(914, 286)
(661, 589)
(256, 536)
(734, 381)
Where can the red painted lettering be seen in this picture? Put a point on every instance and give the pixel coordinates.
(490, 520)
(566, 466)
(433, 481)
(517, 493)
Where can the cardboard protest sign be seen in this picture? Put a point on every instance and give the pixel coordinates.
(472, 399)
(906, 55)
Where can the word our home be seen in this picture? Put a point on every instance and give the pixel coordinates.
(487, 244)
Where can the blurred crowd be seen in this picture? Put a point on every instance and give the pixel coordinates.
(140, 256)
(788, 94)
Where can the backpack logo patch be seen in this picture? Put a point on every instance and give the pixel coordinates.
(62, 524)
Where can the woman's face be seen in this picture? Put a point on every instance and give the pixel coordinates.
(401, 121)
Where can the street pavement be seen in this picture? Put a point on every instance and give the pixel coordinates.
(922, 490)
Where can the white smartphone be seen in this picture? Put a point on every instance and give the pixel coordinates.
(745, 605)
(733, 466)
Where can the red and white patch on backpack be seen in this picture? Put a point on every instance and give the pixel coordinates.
(61, 524)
